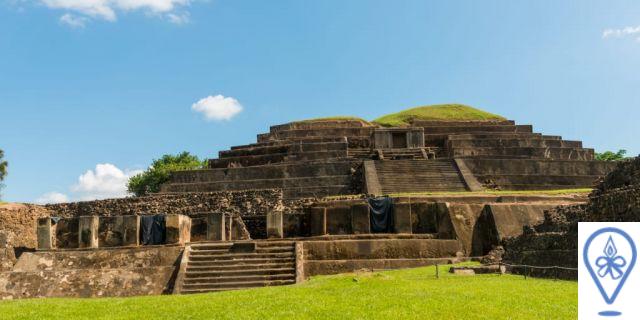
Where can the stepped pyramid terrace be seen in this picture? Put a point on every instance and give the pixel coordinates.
(428, 185)
(449, 148)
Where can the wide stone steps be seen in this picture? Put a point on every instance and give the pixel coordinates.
(206, 279)
(234, 285)
(246, 261)
(225, 266)
(290, 263)
(402, 176)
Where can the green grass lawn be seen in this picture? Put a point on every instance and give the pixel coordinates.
(559, 192)
(400, 294)
(435, 112)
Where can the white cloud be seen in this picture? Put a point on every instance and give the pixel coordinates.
(105, 181)
(73, 20)
(182, 18)
(109, 9)
(622, 33)
(52, 197)
(217, 107)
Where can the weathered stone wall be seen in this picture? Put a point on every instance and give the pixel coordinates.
(253, 202)
(18, 221)
(17, 230)
(92, 273)
(331, 257)
(555, 240)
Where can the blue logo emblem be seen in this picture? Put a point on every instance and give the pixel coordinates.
(608, 266)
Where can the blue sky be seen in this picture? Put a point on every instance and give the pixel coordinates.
(91, 93)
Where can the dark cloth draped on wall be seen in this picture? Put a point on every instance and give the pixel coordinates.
(152, 229)
(381, 214)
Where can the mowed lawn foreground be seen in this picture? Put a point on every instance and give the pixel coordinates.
(399, 294)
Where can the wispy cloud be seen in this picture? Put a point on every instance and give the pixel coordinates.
(79, 12)
(52, 197)
(632, 32)
(73, 21)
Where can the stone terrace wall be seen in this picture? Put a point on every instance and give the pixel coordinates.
(244, 203)
(18, 221)
(555, 240)
(17, 230)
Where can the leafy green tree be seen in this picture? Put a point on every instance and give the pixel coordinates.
(150, 180)
(611, 156)
(3, 168)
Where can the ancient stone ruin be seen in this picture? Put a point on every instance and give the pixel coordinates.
(554, 242)
(308, 198)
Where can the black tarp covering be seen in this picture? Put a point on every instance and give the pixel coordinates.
(381, 216)
(152, 229)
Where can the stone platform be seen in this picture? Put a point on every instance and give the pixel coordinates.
(314, 159)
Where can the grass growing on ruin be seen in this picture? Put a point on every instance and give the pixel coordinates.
(435, 112)
(500, 192)
(335, 118)
(400, 294)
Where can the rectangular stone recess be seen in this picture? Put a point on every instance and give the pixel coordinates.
(178, 229)
(360, 221)
(402, 218)
(88, 232)
(338, 220)
(130, 230)
(295, 225)
(198, 227)
(67, 233)
(216, 230)
(274, 225)
(424, 217)
(45, 234)
(318, 221)
(110, 232)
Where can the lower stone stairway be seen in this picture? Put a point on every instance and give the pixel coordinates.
(220, 266)
(405, 176)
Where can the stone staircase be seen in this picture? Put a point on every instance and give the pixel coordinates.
(220, 266)
(400, 176)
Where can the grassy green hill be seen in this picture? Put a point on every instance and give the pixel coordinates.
(400, 294)
(435, 112)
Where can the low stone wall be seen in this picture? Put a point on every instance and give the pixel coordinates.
(252, 202)
(18, 221)
(331, 257)
(92, 273)
(554, 242)
(17, 230)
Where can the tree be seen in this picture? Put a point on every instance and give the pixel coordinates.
(150, 180)
(3, 168)
(611, 156)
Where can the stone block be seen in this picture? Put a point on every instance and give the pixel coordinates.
(45, 234)
(130, 230)
(274, 225)
(318, 221)
(424, 217)
(216, 230)
(198, 228)
(295, 225)
(360, 220)
(88, 232)
(110, 232)
(178, 229)
(402, 218)
(67, 233)
(338, 220)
